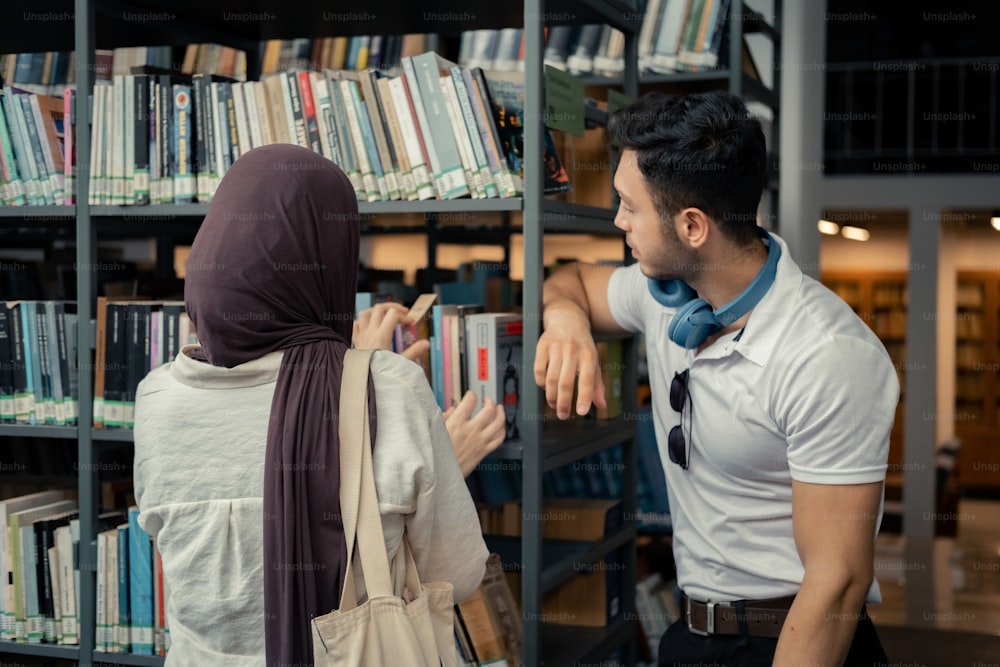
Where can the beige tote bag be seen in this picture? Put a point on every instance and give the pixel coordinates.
(412, 628)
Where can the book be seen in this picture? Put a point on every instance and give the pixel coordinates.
(140, 585)
(493, 353)
(506, 92)
(8, 508)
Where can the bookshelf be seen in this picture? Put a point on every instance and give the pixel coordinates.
(977, 369)
(84, 25)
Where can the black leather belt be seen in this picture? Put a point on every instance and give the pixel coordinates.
(763, 618)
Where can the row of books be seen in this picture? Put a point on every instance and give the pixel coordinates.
(36, 152)
(38, 362)
(40, 562)
(675, 36)
(358, 52)
(133, 337)
(436, 131)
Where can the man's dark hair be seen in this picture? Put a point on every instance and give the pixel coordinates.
(703, 150)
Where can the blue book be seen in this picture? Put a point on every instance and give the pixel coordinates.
(140, 568)
(123, 627)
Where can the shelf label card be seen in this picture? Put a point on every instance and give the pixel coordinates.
(563, 101)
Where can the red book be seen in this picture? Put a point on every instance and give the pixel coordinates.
(309, 112)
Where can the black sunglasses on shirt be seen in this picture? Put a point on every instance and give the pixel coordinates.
(677, 444)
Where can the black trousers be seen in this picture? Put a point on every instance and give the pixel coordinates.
(679, 647)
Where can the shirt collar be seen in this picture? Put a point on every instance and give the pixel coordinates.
(768, 319)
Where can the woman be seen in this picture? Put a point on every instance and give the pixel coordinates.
(236, 443)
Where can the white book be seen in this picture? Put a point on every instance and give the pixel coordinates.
(664, 58)
(242, 120)
(286, 94)
(127, 126)
(7, 509)
(469, 166)
(648, 31)
(17, 602)
(493, 358)
(324, 107)
(118, 143)
(219, 125)
(55, 583)
(462, 96)
(67, 586)
(264, 118)
(101, 611)
(420, 121)
(406, 183)
(111, 574)
(250, 109)
(422, 179)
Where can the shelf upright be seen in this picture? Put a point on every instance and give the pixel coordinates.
(86, 291)
(531, 435)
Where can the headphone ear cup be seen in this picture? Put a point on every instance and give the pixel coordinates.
(670, 293)
(692, 324)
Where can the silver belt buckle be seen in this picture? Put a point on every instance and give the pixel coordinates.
(709, 619)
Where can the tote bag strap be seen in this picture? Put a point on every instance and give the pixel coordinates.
(358, 500)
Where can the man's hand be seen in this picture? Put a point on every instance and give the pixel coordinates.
(375, 326)
(565, 352)
(474, 436)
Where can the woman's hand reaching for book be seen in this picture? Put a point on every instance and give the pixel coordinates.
(474, 436)
(375, 326)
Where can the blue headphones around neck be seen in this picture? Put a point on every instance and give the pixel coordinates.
(694, 320)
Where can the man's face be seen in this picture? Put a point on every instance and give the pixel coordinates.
(654, 242)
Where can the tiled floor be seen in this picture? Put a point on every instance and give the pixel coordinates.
(952, 583)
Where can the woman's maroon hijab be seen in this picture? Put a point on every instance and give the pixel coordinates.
(274, 267)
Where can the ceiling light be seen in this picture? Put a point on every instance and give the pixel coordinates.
(995, 221)
(828, 227)
(854, 233)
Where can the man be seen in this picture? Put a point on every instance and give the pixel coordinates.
(772, 401)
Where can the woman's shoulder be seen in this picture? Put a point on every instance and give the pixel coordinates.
(388, 366)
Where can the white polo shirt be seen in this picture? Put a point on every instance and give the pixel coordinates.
(806, 392)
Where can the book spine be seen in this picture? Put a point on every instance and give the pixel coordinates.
(324, 118)
(235, 149)
(370, 186)
(200, 137)
(297, 121)
(165, 118)
(251, 109)
(350, 164)
(127, 128)
(184, 180)
(484, 125)
(242, 119)
(34, 146)
(140, 183)
(456, 124)
(48, 148)
(220, 133)
(15, 186)
(25, 159)
(510, 173)
(379, 131)
(423, 182)
(123, 623)
(6, 384)
(406, 185)
(57, 361)
(471, 128)
(140, 585)
(448, 172)
(361, 111)
(309, 112)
